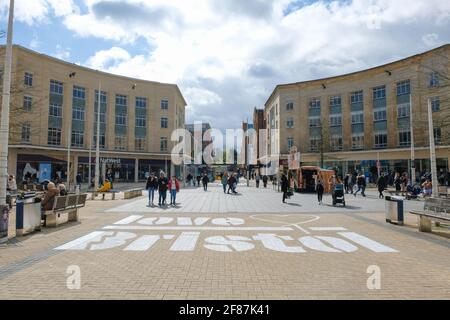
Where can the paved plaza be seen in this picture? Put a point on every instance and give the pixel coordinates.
(217, 246)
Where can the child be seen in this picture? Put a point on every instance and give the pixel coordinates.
(174, 187)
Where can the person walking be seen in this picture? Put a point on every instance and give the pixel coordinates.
(381, 184)
(232, 183)
(205, 181)
(224, 181)
(361, 182)
(320, 189)
(284, 187)
(258, 178)
(404, 183)
(174, 187)
(198, 180)
(265, 180)
(79, 180)
(151, 186)
(347, 183)
(397, 183)
(162, 189)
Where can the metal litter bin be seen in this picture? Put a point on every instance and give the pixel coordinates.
(394, 210)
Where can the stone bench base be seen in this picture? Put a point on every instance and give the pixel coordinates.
(54, 219)
(132, 194)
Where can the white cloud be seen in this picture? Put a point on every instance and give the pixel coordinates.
(62, 53)
(227, 57)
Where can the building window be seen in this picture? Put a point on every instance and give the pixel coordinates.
(314, 144)
(404, 138)
(79, 93)
(335, 101)
(27, 103)
(437, 135)
(78, 113)
(336, 143)
(379, 115)
(335, 120)
(314, 122)
(290, 106)
(121, 100)
(141, 121)
(380, 140)
(102, 139)
(403, 110)
(56, 87)
(358, 142)
(139, 144)
(121, 119)
(164, 123)
(357, 117)
(290, 143)
(26, 132)
(163, 144)
(379, 93)
(314, 103)
(164, 104)
(290, 123)
(28, 79)
(403, 87)
(120, 143)
(141, 103)
(434, 79)
(357, 97)
(435, 104)
(55, 110)
(54, 136)
(102, 97)
(77, 139)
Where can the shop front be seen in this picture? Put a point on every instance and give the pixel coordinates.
(38, 168)
(122, 169)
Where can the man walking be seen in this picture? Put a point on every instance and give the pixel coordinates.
(361, 182)
(381, 184)
(205, 181)
(258, 178)
(265, 179)
(151, 186)
(162, 189)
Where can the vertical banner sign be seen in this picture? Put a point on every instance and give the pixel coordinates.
(294, 159)
(45, 171)
(4, 215)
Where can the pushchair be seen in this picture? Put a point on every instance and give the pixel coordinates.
(413, 192)
(338, 194)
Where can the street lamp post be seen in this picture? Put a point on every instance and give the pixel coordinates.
(413, 160)
(4, 125)
(69, 142)
(432, 151)
(97, 149)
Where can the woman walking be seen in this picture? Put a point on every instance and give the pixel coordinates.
(397, 183)
(151, 186)
(284, 187)
(320, 189)
(225, 181)
(174, 187)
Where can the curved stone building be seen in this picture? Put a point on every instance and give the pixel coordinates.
(362, 120)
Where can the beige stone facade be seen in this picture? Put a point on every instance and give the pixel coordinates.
(34, 104)
(356, 105)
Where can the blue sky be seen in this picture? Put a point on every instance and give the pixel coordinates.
(227, 56)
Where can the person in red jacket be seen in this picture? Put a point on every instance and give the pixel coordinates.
(174, 187)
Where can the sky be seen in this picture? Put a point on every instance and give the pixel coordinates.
(227, 56)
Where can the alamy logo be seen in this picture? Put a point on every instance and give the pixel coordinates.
(374, 280)
(73, 281)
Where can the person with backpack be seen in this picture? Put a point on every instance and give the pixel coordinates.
(361, 182)
(151, 186)
(174, 187)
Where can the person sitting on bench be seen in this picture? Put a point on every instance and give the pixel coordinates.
(62, 190)
(49, 198)
(105, 187)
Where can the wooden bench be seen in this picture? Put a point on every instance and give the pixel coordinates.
(65, 209)
(434, 209)
(132, 193)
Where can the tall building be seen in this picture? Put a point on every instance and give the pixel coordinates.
(363, 120)
(259, 124)
(55, 103)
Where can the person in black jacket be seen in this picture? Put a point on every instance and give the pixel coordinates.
(284, 187)
(381, 184)
(162, 189)
(265, 179)
(232, 183)
(151, 186)
(205, 181)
